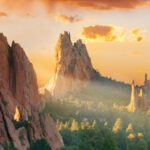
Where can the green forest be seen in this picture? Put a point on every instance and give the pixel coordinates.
(88, 121)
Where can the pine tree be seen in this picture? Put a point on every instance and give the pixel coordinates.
(142, 145)
(117, 126)
(74, 125)
(129, 129)
(94, 124)
(82, 125)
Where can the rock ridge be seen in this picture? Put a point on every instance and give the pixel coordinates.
(18, 88)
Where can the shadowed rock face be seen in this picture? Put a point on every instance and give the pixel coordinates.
(18, 87)
(22, 78)
(73, 65)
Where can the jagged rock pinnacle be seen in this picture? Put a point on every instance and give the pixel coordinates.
(73, 65)
(133, 104)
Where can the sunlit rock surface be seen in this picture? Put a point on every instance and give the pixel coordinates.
(73, 66)
(18, 87)
(138, 98)
(132, 107)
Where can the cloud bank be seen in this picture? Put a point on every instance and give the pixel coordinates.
(103, 32)
(3, 14)
(51, 5)
(137, 34)
(109, 33)
(99, 4)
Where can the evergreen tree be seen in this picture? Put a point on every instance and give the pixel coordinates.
(129, 129)
(74, 125)
(94, 124)
(117, 126)
(142, 145)
(109, 142)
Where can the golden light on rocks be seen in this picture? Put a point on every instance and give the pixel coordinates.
(17, 115)
(141, 93)
(133, 92)
(133, 105)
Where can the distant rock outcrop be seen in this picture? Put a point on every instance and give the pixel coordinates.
(132, 107)
(146, 82)
(138, 98)
(18, 88)
(73, 66)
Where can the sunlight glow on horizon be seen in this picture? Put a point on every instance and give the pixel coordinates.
(124, 58)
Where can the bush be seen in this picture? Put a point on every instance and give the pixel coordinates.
(20, 124)
(9, 146)
(39, 145)
(70, 148)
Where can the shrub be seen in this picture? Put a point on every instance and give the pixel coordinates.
(20, 124)
(9, 146)
(39, 145)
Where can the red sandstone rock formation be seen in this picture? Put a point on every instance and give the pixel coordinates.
(73, 66)
(18, 87)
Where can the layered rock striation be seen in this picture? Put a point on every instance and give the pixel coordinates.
(18, 88)
(73, 66)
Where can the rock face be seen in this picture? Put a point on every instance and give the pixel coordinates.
(138, 99)
(18, 88)
(73, 66)
(132, 107)
(146, 82)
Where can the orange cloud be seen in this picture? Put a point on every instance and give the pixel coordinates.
(139, 38)
(109, 33)
(103, 32)
(137, 34)
(2, 14)
(68, 19)
(17, 6)
(25, 5)
(99, 4)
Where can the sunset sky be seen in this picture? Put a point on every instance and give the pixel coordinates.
(116, 33)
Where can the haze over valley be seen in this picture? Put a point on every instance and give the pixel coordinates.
(74, 75)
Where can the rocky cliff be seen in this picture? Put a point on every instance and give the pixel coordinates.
(73, 66)
(18, 88)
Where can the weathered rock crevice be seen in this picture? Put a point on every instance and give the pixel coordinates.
(18, 88)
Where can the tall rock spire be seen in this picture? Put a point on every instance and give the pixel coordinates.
(145, 79)
(133, 91)
(73, 66)
(132, 107)
(146, 82)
